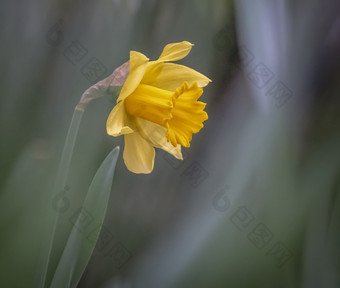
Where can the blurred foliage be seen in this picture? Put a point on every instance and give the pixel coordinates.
(177, 227)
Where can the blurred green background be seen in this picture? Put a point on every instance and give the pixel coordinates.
(254, 203)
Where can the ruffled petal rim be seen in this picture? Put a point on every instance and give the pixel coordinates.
(188, 115)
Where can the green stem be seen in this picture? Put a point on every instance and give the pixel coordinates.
(60, 183)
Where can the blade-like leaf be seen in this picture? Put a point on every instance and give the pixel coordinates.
(78, 249)
(52, 219)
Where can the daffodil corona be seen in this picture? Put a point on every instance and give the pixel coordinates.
(158, 107)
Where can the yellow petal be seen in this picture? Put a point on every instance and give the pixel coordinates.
(139, 155)
(175, 51)
(117, 122)
(156, 136)
(138, 64)
(170, 76)
(188, 115)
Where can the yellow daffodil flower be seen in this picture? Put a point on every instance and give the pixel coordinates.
(158, 107)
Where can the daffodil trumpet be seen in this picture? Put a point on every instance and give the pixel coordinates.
(158, 107)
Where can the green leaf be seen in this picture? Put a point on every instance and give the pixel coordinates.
(52, 219)
(78, 249)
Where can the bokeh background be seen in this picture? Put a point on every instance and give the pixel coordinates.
(254, 203)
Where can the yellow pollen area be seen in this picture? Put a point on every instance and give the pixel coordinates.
(150, 103)
(187, 115)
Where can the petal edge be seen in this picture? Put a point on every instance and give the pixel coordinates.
(138, 64)
(138, 155)
(175, 51)
(116, 123)
(170, 76)
(156, 135)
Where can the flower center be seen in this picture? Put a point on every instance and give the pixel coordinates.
(179, 112)
(150, 103)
